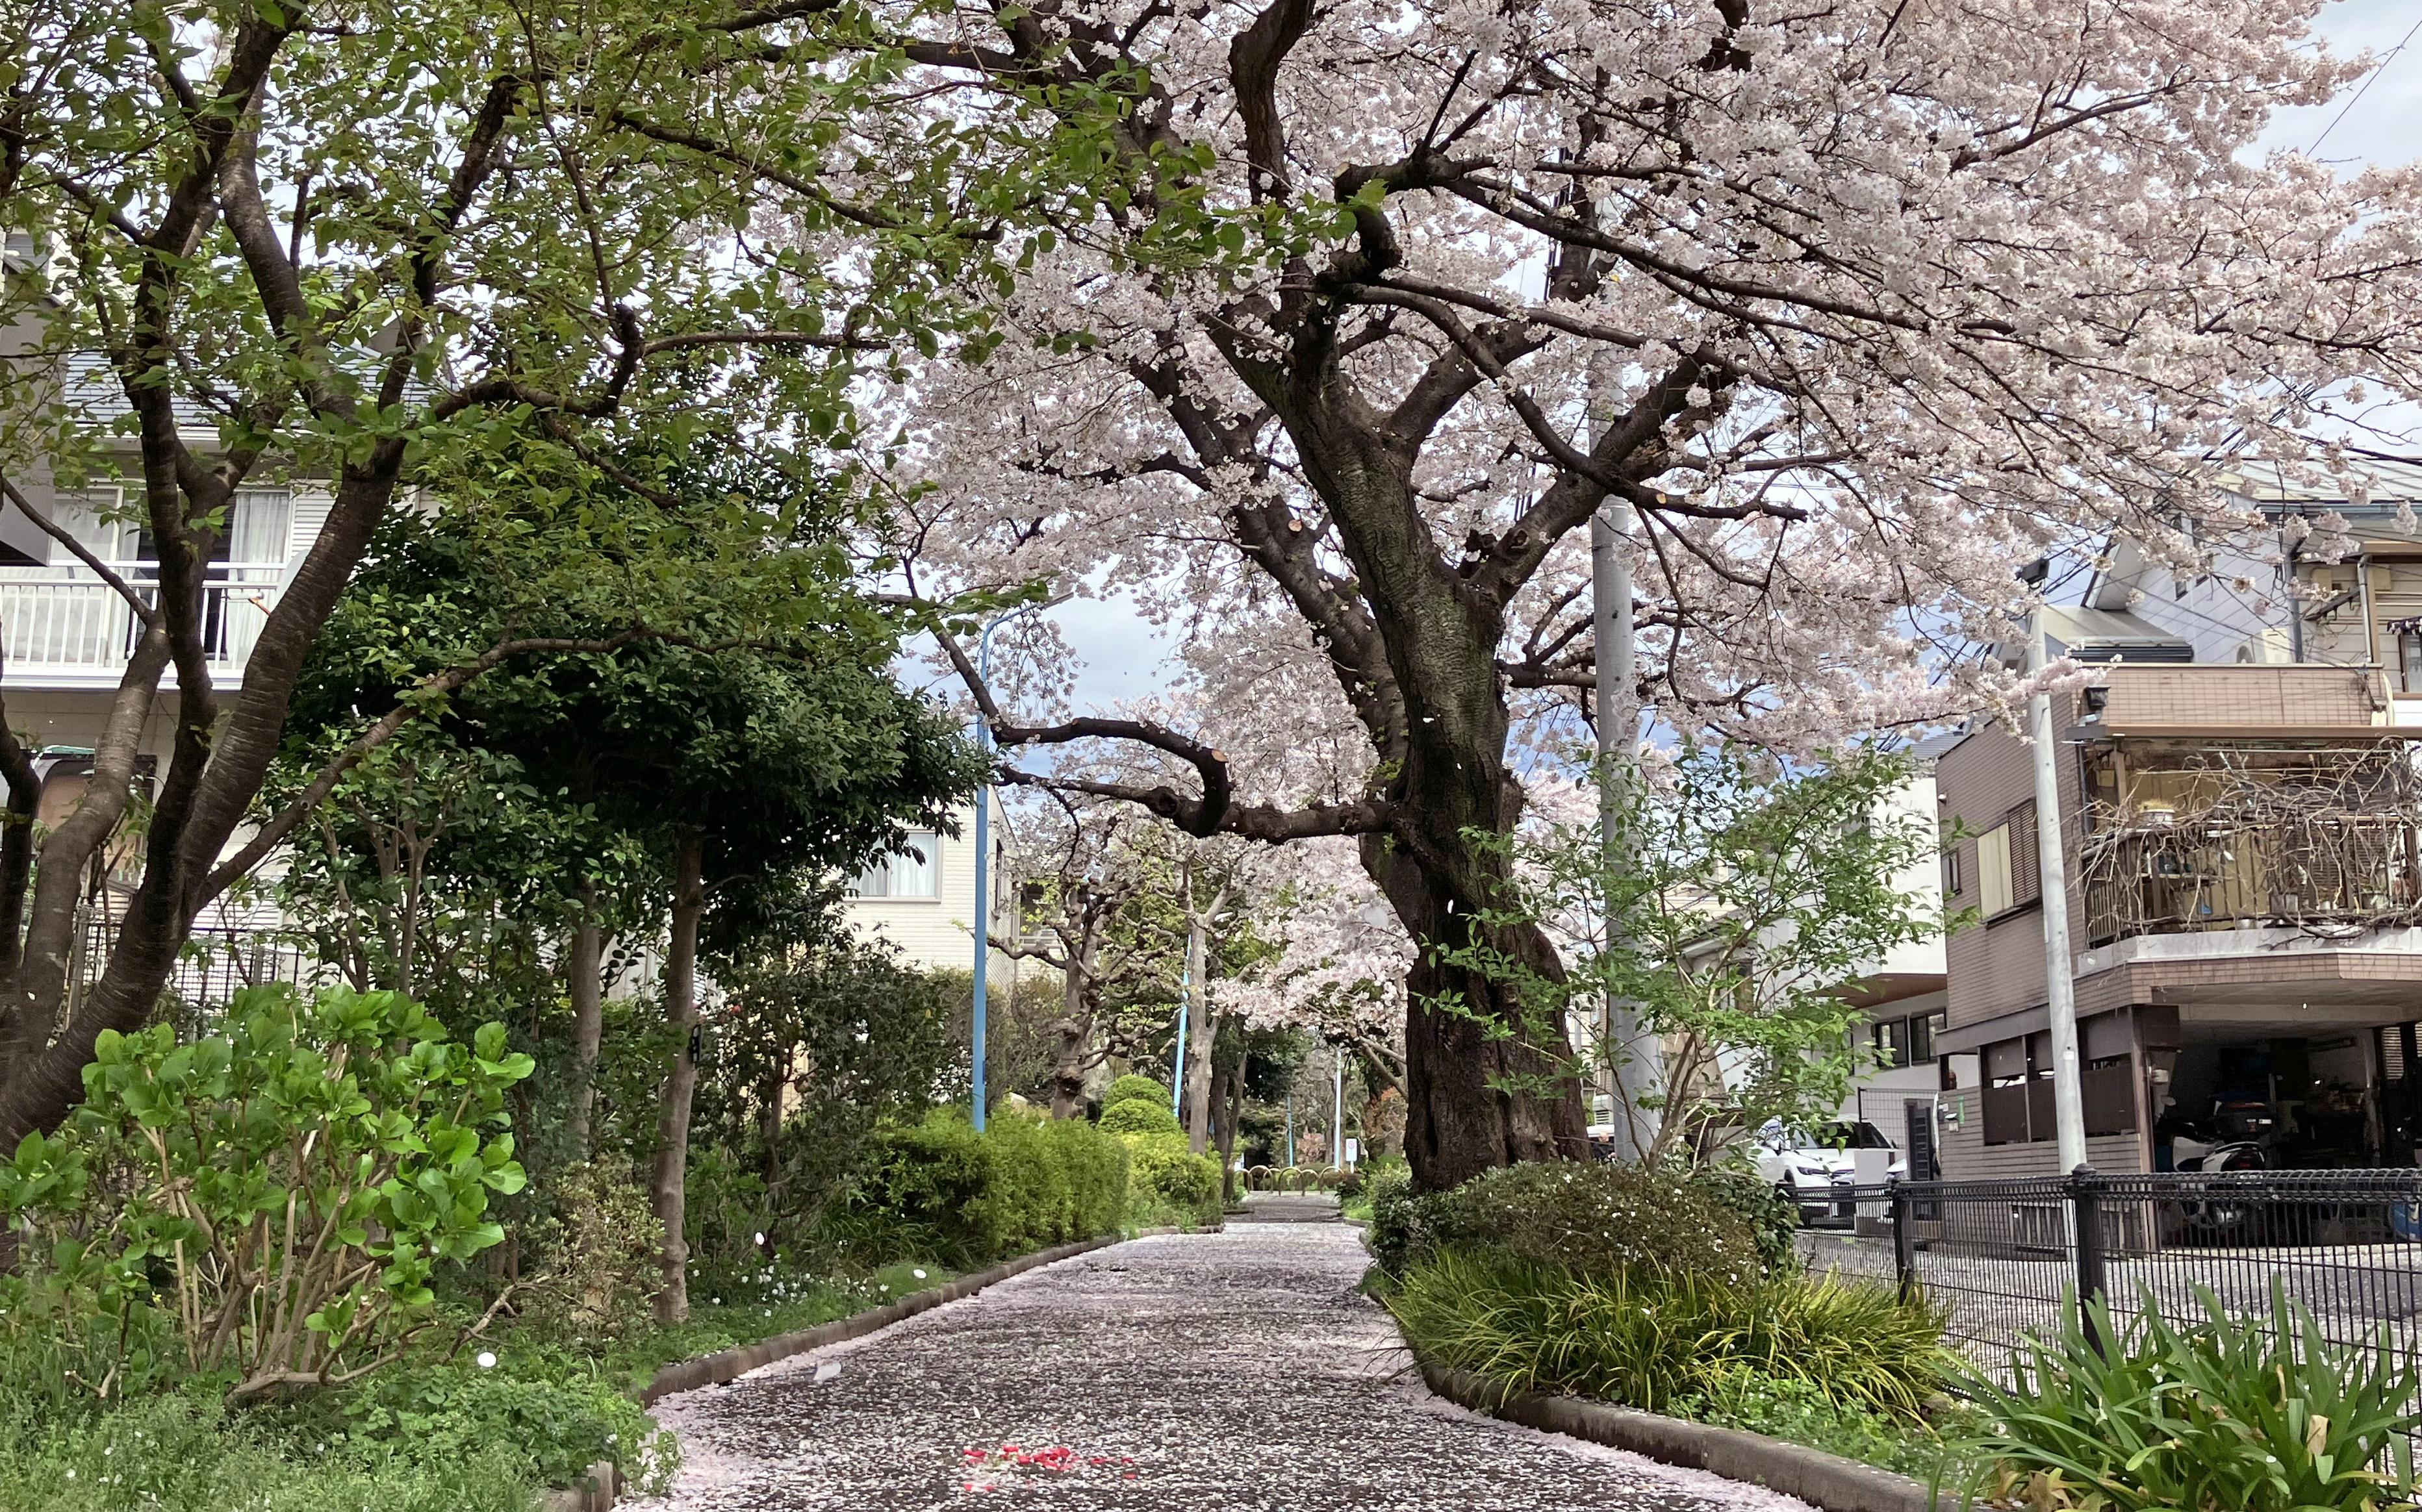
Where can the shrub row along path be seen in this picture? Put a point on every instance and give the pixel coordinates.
(1234, 1370)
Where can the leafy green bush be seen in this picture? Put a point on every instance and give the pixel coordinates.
(184, 1451)
(1098, 1173)
(552, 1426)
(1134, 1088)
(1136, 1116)
(292, 1183)
(942, 1190)
(2228, 1415)
(1586, 1217)
(1650, 1337)
(1774, 1223)
(1161, 1165)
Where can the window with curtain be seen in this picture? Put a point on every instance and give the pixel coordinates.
(914, 872)
(258, 523)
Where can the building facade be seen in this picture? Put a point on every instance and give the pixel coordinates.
(924, 899)
(2243, 890)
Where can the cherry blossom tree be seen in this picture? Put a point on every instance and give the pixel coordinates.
(1853, 307)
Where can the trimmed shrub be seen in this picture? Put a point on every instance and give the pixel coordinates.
(2260, 1414)
(1139, 1117)
(1595, 1218)
(941, 1191)
(1772, 1222)
(1097, 1175)
(1650, 1337)
(1164, 1167)
(1134, 1088)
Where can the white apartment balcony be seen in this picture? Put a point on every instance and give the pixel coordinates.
(62, 627)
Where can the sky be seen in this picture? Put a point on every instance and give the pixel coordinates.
(1126, 658)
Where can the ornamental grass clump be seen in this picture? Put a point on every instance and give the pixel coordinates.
(2229, 1414)
(1650, 1337)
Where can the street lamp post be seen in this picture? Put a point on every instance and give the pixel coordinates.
(983, 862)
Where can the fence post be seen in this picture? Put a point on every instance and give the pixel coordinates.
(1904, 1241)
(2086, 1224)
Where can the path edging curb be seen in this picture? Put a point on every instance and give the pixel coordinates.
(599, 1489)
(1826, 1481)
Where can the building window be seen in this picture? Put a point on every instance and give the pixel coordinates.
(1993, 870)
(1952, 880)
(915, 871)
(1904, 1042)
(2007, 877)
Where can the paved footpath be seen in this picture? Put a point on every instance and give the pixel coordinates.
(1238, 1370)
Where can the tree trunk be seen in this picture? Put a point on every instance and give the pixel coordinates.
(670, 1196)
(1231, 1106)
(1201, 1036)
(1487, 1083)
(1076, 1029)
(587, 1019)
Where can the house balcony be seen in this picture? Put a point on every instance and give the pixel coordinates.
(64, 628)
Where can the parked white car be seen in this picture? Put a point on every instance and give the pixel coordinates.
(1807, 1165)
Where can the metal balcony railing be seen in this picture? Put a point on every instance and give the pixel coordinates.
(65, 621)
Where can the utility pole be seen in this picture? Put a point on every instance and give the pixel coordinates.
(1177, 1073)
(2060, 986)
(1634, 1058)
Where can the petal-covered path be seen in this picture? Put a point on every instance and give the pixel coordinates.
(1238, 1370)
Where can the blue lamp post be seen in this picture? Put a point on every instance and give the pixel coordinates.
(984, 860)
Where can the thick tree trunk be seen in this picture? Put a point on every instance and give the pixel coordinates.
(1489, 1081)
(669, 1194)
(1075, 1028)
(587, 988)
(1201, 1036)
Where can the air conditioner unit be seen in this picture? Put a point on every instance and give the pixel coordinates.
(2269, 649)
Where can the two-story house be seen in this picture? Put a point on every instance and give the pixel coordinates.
(2244, 887)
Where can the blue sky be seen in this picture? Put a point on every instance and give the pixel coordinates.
(1126, 658)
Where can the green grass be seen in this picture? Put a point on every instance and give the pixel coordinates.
(427, 1434)
(1645, 1338)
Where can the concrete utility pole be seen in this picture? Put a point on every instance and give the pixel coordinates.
(2060, 986)
(1635, 1056)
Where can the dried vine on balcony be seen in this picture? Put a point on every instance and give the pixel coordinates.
(2321, 840)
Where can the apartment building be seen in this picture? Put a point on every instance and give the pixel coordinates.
(923, 897)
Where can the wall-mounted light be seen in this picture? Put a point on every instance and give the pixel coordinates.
(2097, 700)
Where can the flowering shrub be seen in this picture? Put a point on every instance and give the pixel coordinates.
(1582, 1217)
(283, 1189)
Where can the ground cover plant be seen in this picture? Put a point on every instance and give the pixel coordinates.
(2226, 1414)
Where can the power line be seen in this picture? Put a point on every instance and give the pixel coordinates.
(2369, 79)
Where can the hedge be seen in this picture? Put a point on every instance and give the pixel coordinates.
(968, 1199)
(1162, 1165)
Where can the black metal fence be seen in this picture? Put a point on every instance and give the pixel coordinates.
(2007, 1257)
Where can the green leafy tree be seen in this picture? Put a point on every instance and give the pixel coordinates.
(718, 690)
(1749, 901)
(336, 243)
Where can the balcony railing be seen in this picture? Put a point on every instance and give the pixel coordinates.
(66, 624)
(2343, 869)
